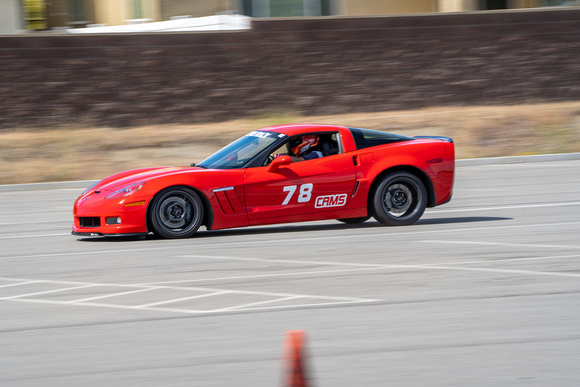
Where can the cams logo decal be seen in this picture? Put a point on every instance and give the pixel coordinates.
(330, 201)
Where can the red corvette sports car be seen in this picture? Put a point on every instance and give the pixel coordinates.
(279, 174)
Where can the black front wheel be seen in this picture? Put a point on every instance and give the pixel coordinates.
(176, 212)
(399, 199)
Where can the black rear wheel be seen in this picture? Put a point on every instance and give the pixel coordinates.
(176, 212)
(399, 199)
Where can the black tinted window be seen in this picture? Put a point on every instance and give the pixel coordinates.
(366, 138)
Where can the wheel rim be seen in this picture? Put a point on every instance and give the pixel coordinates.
(401, 199)
(177, 213)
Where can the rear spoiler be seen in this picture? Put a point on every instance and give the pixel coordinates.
(447, 139)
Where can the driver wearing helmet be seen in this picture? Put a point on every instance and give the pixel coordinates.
(303, 148)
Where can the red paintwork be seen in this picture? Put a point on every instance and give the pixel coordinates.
(258, 195)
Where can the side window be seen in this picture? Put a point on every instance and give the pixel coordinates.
(366, 138)
(308, 147)
(331, 145)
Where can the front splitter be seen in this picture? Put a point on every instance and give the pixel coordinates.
(100, 234)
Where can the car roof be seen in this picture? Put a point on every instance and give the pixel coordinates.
(292, 129)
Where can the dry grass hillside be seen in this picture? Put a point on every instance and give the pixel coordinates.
(80, 153)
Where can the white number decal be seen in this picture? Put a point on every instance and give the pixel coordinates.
(305, 193)
(290, 189)
(304, 196)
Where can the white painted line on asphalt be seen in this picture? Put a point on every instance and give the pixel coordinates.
(373, 267)
(207, 311)
(323, 300)
(301, 273)
(350, 264)
(509, 160)
(210, 292)
(433, 212)
(19, 284)
(193, 311)
(244, 306)
(187, 244)
(110, 295)
(46, 292)
(112, 306)
(554, 257)
(506, 271)
(203, 289)
(281, 296)
(289, 261)
(183, 299)
(18, 189)
(501, 244)
(34, 236)
(370, 267)
(439, 265)
(37, 222)
(564, 204)
(308, 305)
(60, 282)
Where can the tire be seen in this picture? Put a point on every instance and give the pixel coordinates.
(176, 212)
(399, 199)
(354, 220)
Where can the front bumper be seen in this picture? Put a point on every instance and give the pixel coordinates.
(133, 218)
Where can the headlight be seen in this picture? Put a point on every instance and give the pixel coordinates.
(126, 191)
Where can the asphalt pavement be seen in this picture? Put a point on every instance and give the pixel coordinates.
(483, 291)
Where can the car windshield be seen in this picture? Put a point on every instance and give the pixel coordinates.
(240, 152)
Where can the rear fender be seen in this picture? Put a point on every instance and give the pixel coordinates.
(431, 197)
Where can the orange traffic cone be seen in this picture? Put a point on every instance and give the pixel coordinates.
(296, 375)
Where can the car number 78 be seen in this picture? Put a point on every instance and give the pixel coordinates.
(304, 195)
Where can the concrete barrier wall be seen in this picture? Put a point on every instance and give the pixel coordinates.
(320, 66)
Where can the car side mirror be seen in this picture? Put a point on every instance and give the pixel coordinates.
(278, 162)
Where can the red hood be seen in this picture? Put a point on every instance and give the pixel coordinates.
(120, 180)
